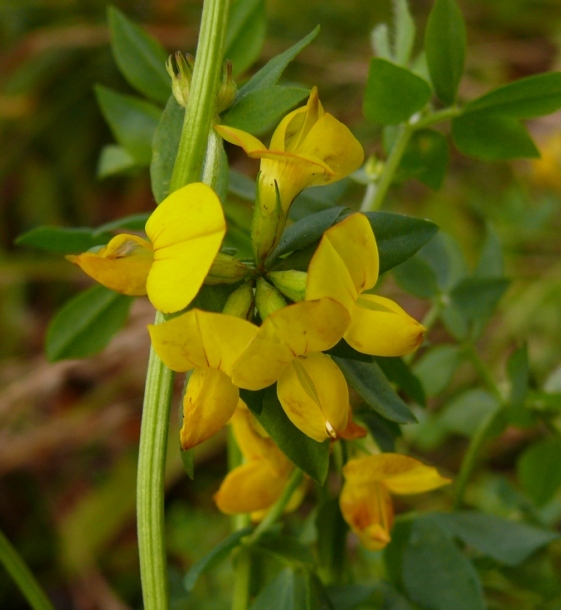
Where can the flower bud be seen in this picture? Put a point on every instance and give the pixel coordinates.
(226, 269)
(181, 72)
(240, 303)
(267, 223)
(267, 299)
(291, 283)
(228, 90)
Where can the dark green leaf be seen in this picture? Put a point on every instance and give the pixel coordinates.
(393, 94)
(332, 534)
(309, 455)
(476, 297)
(437, 366)
(445, 258)
(114, 160)
(383, 431)
(141, 58)
(436, 574)
(417, 277)
(241, 185)
(86, 323)
(398, 236)
(492, 137)
(166, 143)
(525, 98)
(348, 597)
(286, 548)
(344, 350)
(376, 391)
(509, 542)
(317, 199)
(445, 48)
(258, 111)
(61, 240)
(188, 461)
(246, 33)
(135, 222)
(490, 263)
(132, 121)
(426, 158)
(399, 373)
(218, 554)
(271, 71)
(539, 471)
(518, 369)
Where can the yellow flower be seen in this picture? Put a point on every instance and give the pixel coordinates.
(259, 482)
(365, 499)
(184, 232)
(345, 265)
(308, 148)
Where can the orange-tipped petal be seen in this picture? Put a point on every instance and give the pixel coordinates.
(209, 402)
(381, 327)
(314, 395)
(122, 265)
(186, 231)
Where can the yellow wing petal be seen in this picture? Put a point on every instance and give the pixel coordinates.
(381, 327)
(122, 265)
(209, 402)
(250, 145)
(314, 395)
(186, 231)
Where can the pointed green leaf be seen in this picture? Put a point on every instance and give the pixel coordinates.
(141, 58)
(62, 240)
(538, 470)
(246, 33)
(445, 48)
(404, 32)
(114, 160)
(380, 39)
(393, 94)
(86, 323)
(476, 297)
(399, 373)
(373, 387)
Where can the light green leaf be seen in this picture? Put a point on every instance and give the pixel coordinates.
(246, 32)
(380, 39)
(393, 94)
(538, 470)
(465, 412)
(437, 366)
(404, 32)
(86, 323)
(114, 160)
(141, 58)
(445, 48)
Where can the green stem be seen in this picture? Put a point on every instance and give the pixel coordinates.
(201, 109)
(150, 483)
(437, 117)
(483, 372)
(22, 576)
(242, 566)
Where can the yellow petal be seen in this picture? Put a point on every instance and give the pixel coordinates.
(209, 402)
(186, 231)
(302, 328)
(122, 265)
(400, 474)
(201, 339)
(250, 145)
(368, 510)
(314, 395)
(381, 327)
(248, 488)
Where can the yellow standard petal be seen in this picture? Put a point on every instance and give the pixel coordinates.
(122, 265)
(186, 231)
(381, 327)
(400, 474)
(296, 330)
(314, 395)
(199, 339)
(209, 402)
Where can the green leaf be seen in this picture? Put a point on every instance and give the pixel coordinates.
(166, 143)
(134, 222)
(331, 539)
(437, 366)
(62, 240)
(525, 98)
(132, 121)
(445, 258)
(404, 32)
(241, 185)
(246, 33)
(491, 137)
(466, 411)
(399, 373)
(272, 70)
(399, 236)
(445, 48)
(476, 297)
(381, 41)
(188, 461)
(490, 263)
(505, 541)
(286, 548)
(426, 158)
(393, 94)
(309, 455)
(518, 369)
(383, 431)
(417, 277)
(318, 198)
(141, 58)
(86, 323)
(114, 160)
(373, 387)
(259, 110)
(218, 554)
(538, 470)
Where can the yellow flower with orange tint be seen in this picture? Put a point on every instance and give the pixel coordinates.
(259, 482)
(184, 235)
(365, 499)
(344, 266)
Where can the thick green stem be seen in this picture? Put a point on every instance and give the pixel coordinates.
(22, 576)
(242, 567)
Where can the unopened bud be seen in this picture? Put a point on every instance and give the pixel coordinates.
(180, 69)
(240, 303)
(268, 219)
(267, 299)
(291, 283)
(226, 269)
(228, 90)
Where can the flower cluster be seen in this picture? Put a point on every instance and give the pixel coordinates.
(260, 338)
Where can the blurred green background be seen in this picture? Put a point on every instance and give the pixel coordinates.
(68, 431)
